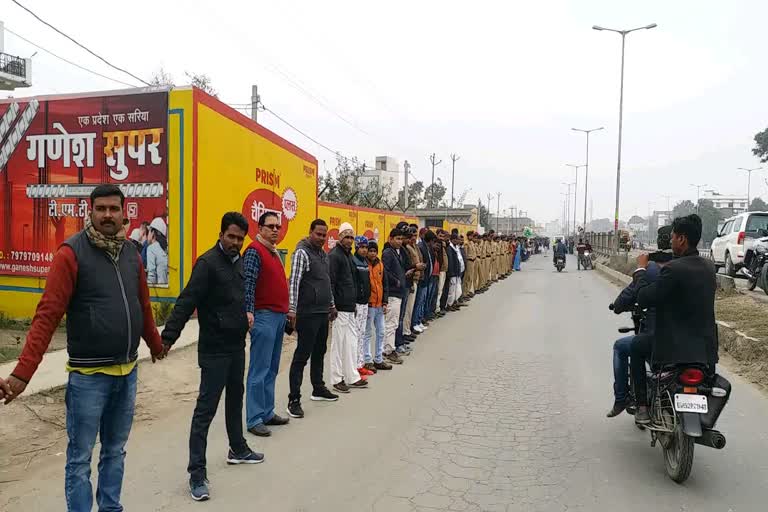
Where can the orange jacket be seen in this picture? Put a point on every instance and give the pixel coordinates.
(378, 284)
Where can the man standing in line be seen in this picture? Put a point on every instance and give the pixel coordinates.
(377, 308)
(266, 305)
(411, 330)
(98, 280)
(455, 268)
(422, 288)
(216, 289)
(469, 275)
(443, 285)
(310, 307)
(344, 339)
(429, 306)
(395, 274)
(363, 295)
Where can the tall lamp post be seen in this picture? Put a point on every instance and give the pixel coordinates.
(623, 34)
(568, 209)
(575, 192)
(749, 180)
(698, 194)
(586, 173)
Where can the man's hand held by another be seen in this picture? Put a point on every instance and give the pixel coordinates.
(333, 314)
(642, 260)
(250, 319)
(13, 388)
(292, 319)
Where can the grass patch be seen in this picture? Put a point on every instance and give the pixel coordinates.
(743, 313)
(6, 322)
(9, 353)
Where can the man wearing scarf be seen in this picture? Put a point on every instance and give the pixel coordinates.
(98, 280)
(344, 339)
(266, 305)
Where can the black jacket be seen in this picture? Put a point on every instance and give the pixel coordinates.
(454, 266)
(684, 298)
(363, 280)
(426, 256)
(344, 278)
(217, 290)
(394, 272)
(627, 299)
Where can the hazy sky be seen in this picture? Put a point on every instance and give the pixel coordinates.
(500, 83)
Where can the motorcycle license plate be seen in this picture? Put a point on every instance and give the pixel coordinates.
(691, 403)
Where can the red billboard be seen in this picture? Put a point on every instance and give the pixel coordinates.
(54, 152)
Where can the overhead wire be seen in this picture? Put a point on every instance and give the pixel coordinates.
(80, 44)
(66, 60)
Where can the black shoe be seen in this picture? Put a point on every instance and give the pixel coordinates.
(277, 421)
(642, 417)
(324, 395)
(409, 337)
(199, 490)
(260, 430)
(247, 457)
(294, 409)
(618, 408)
(341, 387)
(359, 384)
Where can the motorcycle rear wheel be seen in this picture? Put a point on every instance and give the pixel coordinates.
(678, 457)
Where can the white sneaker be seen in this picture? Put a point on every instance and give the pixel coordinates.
(417, 329)
(423, 327)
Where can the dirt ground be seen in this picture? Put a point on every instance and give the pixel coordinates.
(32, 428)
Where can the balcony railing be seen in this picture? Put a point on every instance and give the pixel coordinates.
(12, 65)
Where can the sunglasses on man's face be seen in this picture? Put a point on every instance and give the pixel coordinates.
(273, 226)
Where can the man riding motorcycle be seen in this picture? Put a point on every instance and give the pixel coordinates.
(684, 298)
(626, 302)
(559, 251)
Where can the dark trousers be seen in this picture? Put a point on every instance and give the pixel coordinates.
(399, 341)
(640, 352)
(217, 373)
(432, 302)
(312, 333)
(444, 296)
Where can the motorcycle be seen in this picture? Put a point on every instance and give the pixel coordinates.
(560, 263)
(686, 401)
(755, 264)
(586, 260)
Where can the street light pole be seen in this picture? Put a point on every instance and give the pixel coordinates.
(698, 194)
(623, 34)
(454, 159)
(586, 173)
(749, 180)
(575, 192)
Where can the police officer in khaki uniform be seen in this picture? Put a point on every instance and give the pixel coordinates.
(469, 273)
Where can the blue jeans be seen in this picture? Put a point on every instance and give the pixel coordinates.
(421, 299)
(266, 347)
(621, 351)
(399, 341)
(375, 320)
(97, 404)
(431, 304)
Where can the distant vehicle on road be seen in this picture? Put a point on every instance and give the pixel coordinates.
(735, 238)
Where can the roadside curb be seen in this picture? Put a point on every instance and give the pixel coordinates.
(613, 274)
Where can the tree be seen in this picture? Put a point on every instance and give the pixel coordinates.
(683, 208)
(346, 185)
(202, 81)
(710, 218)
(758, 205)
(162, 77)
(761, 146)
(415, 197)
(435, 200)
(484, 216)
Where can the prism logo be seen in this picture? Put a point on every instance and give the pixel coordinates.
(15, 132)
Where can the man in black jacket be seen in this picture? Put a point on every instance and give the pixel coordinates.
(684, 298)
(217, 290)
(344, 340)
(396, 276)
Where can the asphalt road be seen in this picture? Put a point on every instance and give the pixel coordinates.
(500, 408)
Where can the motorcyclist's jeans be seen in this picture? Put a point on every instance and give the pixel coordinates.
(621, 350)
(640, 351)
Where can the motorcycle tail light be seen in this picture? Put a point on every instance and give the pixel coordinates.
(691, 377)
(742, 235)
(690, 389)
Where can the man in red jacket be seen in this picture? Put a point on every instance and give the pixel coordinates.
(98, 280)
(266, 304)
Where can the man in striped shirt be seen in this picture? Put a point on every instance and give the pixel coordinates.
(310, 308)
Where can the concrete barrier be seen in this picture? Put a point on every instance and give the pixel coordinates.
(613, 274)
(725, 283)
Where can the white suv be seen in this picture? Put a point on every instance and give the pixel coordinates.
(735, 237)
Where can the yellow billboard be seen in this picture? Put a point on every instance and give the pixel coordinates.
(336, 215)
(243, 167)
(372, 224)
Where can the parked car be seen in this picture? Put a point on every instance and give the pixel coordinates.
(734, 238)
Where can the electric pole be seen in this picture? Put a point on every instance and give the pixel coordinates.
(498, 209)
(454, 159)
(407, 168)
(255, 100)
(435, 163)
